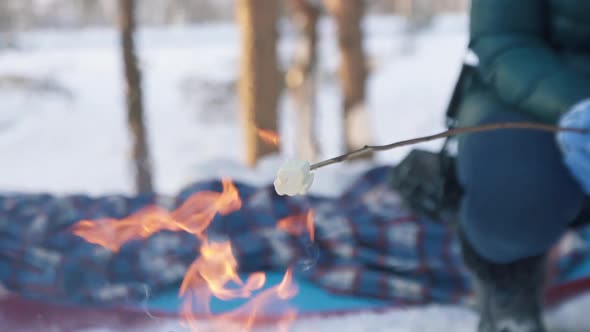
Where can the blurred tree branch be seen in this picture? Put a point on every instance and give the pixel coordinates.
(134, 98)
(353, 71)
(260, 80)
(300, 78)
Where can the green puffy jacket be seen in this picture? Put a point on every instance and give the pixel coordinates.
(534, 57)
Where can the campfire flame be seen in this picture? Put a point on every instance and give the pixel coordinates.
(298, 224)
(215, 268)
(193, 216)
(215, 272)
(269, 136)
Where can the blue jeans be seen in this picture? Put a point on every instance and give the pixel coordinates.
(519, 197)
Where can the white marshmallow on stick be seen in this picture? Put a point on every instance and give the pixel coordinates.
(294, 177)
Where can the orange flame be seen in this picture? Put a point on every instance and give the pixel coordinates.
(215, 272)
(193, 216)
(269, 136)
(286, 290)
(298, 224)
(215, 268)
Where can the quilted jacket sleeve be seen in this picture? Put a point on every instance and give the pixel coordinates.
(516, 60)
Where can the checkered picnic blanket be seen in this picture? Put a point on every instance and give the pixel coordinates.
(367, 244)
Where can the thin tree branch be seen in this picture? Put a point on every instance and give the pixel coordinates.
(134, 98)
(448, 133)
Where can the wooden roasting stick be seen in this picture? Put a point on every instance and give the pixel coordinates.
(448, 133)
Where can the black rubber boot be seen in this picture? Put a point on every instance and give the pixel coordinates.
(509, 296)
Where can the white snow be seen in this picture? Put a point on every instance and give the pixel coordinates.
(73, 138)
(54, 142)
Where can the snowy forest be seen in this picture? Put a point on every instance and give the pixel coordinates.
(142, 144)
(286, 48)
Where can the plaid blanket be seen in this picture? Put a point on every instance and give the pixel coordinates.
(367, 244)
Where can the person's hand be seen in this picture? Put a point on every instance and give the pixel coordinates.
(575, 147)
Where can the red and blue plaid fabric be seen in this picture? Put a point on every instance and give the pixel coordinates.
(367, 244)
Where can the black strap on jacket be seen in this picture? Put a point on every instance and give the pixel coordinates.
(427, 180)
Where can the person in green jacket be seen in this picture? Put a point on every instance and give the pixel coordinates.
(522, 189)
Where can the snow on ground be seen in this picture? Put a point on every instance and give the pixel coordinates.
(427, 319)
(64, 132)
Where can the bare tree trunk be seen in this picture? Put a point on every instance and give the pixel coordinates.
(422, 14)
(403, 7)
(300, 77)
(353, 71)
(135, 116)
(259, 83)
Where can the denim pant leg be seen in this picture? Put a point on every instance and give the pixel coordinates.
(519, 197)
